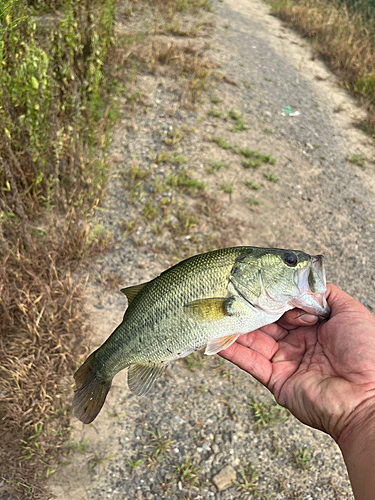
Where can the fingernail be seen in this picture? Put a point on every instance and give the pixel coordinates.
(309, 318)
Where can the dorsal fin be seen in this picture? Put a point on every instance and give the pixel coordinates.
(132, 291)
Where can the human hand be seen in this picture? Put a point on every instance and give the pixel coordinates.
(323, 372)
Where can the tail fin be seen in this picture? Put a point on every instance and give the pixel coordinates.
(90, 392)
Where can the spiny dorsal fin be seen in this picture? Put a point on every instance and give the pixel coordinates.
(217, 345)
(142, 377)
(210, 309)
(132, 291)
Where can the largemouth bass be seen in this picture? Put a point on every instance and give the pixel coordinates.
(206, 300)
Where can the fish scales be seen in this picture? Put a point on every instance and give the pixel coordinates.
(207, 300)
(161, 301)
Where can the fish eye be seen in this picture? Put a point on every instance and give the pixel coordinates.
(290, 259)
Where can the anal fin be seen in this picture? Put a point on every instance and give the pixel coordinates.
(216, 345)
(142, 377)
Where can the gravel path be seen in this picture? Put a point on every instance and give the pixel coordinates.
(199, 430)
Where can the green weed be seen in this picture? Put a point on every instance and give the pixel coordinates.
(226, 187)
(265, 415)
(187, 472)
(215, 167)
(254, 202)
(221, 143)
(248, 84)
(186, 223)
(255, 163)
(184, 181)
(98, 460)
(302, 457)
(136, 173)
(258, 156)
(150, 211)
(249, 479)
(222, 368)
(215, 113)
(79, 446)
(357, 159)
(158, 446)
(270, 177)
(130, 464)
(216, 100)
(173, 137)
(251, 185)
(195, 360)
(239, 119)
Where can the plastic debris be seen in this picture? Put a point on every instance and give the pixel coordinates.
(287, 111)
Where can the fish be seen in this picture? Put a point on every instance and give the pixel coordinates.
(207, 300)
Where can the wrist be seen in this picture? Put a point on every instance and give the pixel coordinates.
(359, 428)
(357, 444)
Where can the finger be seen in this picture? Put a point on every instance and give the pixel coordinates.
(260, 342)
(250, 361)
(297, 317)
(274, 330)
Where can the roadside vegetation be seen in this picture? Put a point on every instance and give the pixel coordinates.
(55, 114)
(64, 71)
(342, 33)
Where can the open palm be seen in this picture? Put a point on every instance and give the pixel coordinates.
(323, 372)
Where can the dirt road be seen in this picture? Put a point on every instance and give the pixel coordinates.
(204, 416)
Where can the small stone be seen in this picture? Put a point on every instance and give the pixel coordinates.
(225, 478)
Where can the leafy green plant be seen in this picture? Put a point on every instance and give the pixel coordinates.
(249, 479)
(195, 360)
(302, 457)
(130, 464)
(265, 414)
(215, 167)
(221, 143)
(158, 445)
(255, 163)
(270, 176)
(258, 156)
(239, 119)
(251, 185)
(254, 202)
(357, 159)
(187, 472)
(184, 181)
(226, 187)
(215, 113)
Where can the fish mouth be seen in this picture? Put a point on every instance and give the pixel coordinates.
(311, 281)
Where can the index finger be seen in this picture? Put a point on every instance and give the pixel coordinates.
(297, 317)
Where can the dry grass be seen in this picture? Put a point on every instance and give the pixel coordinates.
(43, 330)
(42, 334)
(181, 59)
(343, 36)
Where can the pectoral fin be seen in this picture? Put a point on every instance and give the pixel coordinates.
(210, 309)
(217, 345)
(142, 377)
